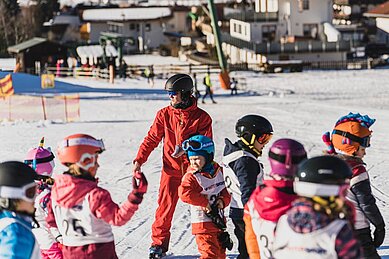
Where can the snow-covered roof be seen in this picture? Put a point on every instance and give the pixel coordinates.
(63, 19)
(381, 10)
(126, 14)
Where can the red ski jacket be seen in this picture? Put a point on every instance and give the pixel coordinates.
(174, 126)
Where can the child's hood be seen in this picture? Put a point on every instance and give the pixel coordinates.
(69, 190)
(271, 203)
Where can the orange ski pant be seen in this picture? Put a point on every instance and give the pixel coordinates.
(209, 246)
(167, 201)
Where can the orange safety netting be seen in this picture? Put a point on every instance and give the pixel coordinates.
(30, 108)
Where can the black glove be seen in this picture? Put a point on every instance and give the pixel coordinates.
(379, 235)
(225, 240)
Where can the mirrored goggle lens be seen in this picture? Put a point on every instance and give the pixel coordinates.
(366, 142)
(265, 138)
(191, 145)
(101, 144)
(172, 93)
(30, 192)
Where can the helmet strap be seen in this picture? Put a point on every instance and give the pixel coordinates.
(250, 144)
(330, 206)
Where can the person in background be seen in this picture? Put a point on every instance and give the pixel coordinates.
(208, 91)
(17, 196)
(203, 187)
(83, 211)
(317, 224)
(123, 70)
(272, 199)
(149, 74)
(234, 86)
(174, 124)
(349, 140)
(42, 161)
(196, 91)
(242, 170)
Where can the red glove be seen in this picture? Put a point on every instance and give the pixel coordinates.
(139, 183)
(139, 188)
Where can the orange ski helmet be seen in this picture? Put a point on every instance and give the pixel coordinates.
(352, 132)
(80, 149)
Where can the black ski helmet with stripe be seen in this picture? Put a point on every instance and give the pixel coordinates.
(181, 83)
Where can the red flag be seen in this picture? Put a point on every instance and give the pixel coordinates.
(6, 88)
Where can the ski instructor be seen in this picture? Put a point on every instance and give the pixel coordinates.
(174, 124)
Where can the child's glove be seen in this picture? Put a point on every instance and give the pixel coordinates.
(139, 188)
(379, 235)
(327, 140)
(220, 203)
(178, 151)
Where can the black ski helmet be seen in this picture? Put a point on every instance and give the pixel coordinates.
(321, 176)
(16, 174)
(253, 124)
(179, 82)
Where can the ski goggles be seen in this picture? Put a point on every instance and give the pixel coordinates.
(172, 93)
(193, 145)
(87, 161)
(26, 192)
(364, 142)
(83, 141)
(265, 138)
(33, 162)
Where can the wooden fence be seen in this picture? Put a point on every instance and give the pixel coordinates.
(164, 71)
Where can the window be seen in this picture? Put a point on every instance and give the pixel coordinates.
(113, 28)
(303, 5)
(132, 26)
(239, 28)
(137, 27)
(264, 6)
(310, 30)
(268, 33)
(148, 27)
(235, 29)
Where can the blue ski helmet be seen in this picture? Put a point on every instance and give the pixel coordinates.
(199, 145)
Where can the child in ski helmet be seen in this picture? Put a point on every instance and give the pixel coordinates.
(42, 161)
(83, 211)
(242, 170)
(17, 195)
(203, 188)
(349, 140)
(271, 200)
(316, 226)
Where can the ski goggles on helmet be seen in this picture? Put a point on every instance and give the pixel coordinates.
(172, 93)
(87, 161)
(265, 138)
(193, 145)
(26, 192)
(33, 162)
(83, 141)
(364, 142)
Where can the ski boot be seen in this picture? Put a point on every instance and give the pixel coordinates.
(155, 252)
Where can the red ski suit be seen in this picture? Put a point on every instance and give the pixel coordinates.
(190, 191)
(173, 126)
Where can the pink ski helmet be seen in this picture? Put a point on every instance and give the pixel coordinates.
(284, 156)
(41, 160)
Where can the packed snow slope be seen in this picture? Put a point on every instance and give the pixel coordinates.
(299, 105)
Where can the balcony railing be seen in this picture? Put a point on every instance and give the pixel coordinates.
(251, 16)
(296, 47)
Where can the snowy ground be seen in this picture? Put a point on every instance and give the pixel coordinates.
(299, 105)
